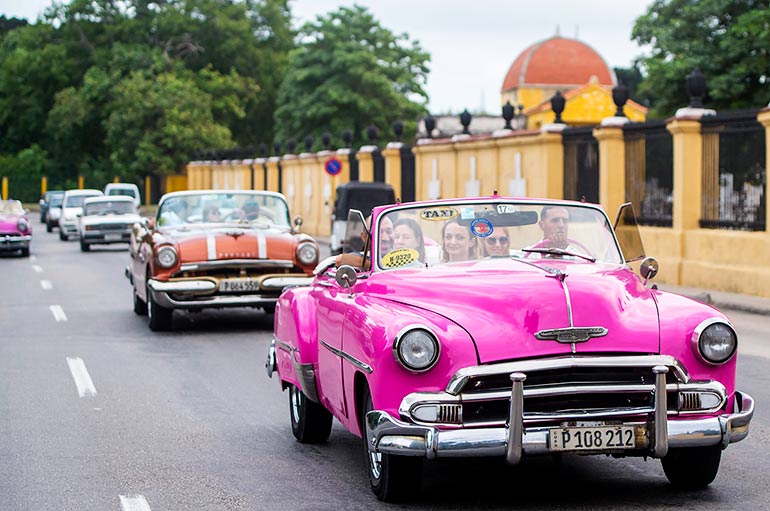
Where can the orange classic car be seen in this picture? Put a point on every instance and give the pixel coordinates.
(212, 249)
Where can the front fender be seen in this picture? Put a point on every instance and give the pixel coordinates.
(679, 316)
(296, 333)
(370, 330)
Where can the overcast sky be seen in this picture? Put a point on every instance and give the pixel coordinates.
(473, 43)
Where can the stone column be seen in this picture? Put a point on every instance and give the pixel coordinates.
(612, 168)
(392, 155)
(688, 172)
(764, 119)
(366, 163)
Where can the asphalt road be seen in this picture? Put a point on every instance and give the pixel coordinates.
(99, 413)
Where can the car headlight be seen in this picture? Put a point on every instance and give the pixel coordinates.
(715, 341)
(307, 253)
(416, 349)
(23, 225)
(166, 257)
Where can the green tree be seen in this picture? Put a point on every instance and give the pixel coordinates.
(728, 40)
(347, 73)
(156, 123)
(59, 78)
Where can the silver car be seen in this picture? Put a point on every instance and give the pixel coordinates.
(106, 220)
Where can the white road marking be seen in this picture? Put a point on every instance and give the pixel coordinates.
(58, 313)
(46, 284)
(37, 268)
(80, 375)
(133, 503)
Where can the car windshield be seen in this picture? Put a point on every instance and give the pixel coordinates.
(76, 201)
(257, 209)
(56, 201)
(110, 208)
(11, 207)
(439, 234)
(122, 191)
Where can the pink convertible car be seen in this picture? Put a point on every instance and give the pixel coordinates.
(511, 328)
(15, 228)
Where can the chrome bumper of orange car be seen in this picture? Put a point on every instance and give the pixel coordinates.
(392, 436)
(202, 293)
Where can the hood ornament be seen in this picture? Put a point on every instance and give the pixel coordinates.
(571, 335)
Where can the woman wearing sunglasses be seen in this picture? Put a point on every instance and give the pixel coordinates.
(498, 243)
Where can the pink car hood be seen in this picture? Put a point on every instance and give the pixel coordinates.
(503, 303)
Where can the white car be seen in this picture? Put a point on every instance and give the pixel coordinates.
(106, 220)
(129, 189)
(72, 206)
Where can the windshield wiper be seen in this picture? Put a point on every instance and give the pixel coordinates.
(558, 251)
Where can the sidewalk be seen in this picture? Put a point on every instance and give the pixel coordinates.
(722, 299)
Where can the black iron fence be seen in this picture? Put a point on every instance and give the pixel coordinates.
(650, 172)
(734, 173)
(581, 164)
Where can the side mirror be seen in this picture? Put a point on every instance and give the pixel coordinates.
(649, 268)
(79, 215)
(346, 276)
(297, 221)
(141, 233)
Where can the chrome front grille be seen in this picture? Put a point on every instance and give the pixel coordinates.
(568, 389)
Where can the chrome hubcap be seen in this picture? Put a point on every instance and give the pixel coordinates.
(295, 404)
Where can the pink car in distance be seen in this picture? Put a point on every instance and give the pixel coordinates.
(15, 228)
(505, 327)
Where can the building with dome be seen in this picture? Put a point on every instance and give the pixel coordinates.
(569, 66)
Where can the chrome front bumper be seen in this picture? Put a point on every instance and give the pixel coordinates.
(14, 242)
(392, 436)
(162, 293)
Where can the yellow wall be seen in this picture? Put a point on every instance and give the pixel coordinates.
(533, 162)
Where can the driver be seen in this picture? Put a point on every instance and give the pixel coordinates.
(554, 222)
(359, 260)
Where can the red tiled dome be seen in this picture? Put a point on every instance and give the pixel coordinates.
(557, 61)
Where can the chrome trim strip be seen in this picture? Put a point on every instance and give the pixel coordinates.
(282, 345)
(181, 286)
(282, 282)
(571, 335)
(213, 301)
(237, 263)
(392, 436)
(261, 245)
(461, 377)
(306, 377)
(350, 358)
(211, 247)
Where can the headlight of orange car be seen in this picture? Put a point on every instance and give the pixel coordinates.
(166, 256)
(307, 253)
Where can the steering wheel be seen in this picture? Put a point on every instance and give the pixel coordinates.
(547, 243)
